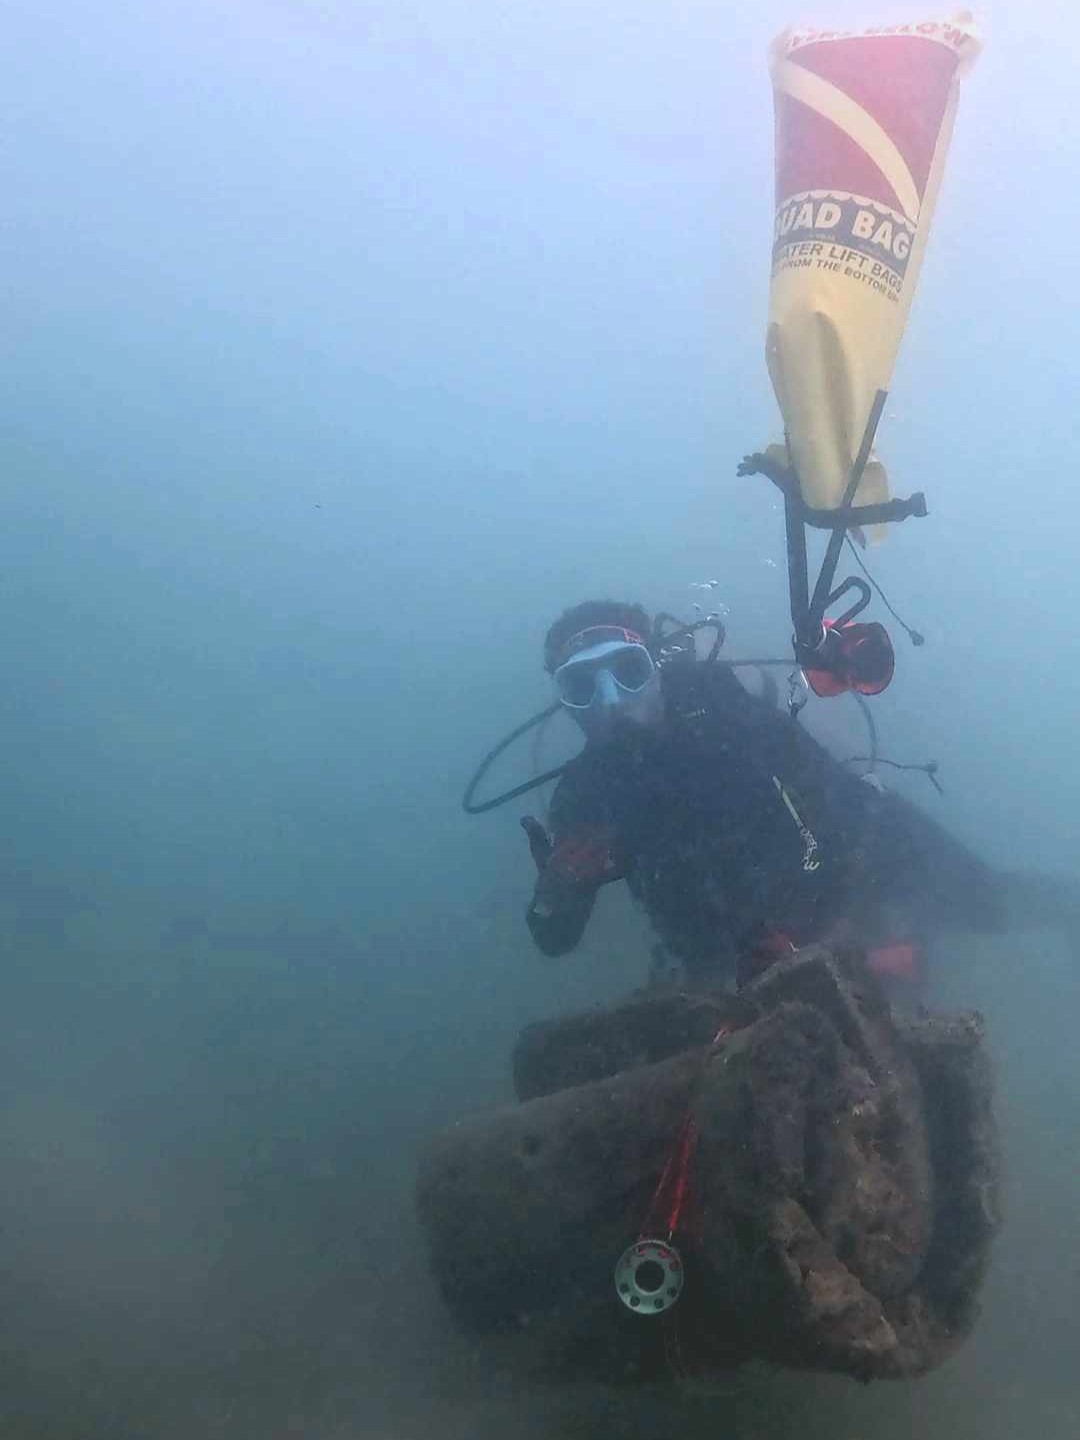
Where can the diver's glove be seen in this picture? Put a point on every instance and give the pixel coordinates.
(586, 857)
(540, 844)
(570, 872)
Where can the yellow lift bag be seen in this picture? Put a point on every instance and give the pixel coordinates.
(863, 123)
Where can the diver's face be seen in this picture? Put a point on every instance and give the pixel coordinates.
(609, 687)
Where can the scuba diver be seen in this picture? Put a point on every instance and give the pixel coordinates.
(740, 835)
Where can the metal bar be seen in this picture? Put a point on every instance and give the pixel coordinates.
(798, 580)
(887, 513)
(832, 552)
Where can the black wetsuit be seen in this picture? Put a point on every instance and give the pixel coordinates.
(730, 822)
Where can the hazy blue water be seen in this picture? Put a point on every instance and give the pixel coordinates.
(343, 344)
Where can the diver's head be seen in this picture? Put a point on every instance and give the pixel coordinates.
(604, 673)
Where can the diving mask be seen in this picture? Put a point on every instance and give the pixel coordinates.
(605, 672)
